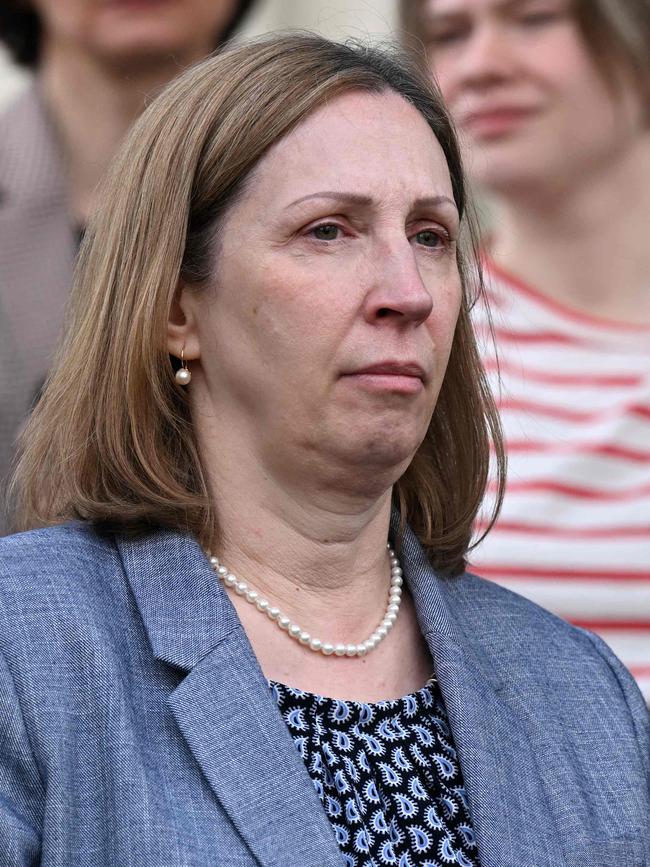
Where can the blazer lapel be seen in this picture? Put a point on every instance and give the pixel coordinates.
(512, 821)
(224, 708)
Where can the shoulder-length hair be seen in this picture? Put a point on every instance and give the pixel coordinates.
(21, 29)
(112, 440)
(616, 32)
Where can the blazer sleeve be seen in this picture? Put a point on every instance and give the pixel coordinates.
(21, 787)
(633, 698)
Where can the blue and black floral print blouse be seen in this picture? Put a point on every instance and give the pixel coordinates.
(387, 775)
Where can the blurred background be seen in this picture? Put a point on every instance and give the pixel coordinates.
(336, 19)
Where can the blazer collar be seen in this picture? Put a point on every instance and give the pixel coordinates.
(225, 712)
(185, 610)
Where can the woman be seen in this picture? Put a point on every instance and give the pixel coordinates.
(222, 662)
(95, 65)
(552, 98)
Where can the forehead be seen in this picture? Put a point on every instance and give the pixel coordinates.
(359, 138)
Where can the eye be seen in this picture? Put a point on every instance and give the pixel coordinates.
(539, 19)
(431, 238)
(540, 14)
(448, 36)
(325, 232)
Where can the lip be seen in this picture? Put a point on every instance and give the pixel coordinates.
(496, 121)
(393, 368)
(406, 377)
(135, 4)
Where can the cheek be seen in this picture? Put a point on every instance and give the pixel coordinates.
(315, 300)
(213, 15)
(286, 321)
(443, 319)
(563, 61)
(445, 72)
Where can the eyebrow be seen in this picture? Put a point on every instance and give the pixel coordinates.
(358, 199)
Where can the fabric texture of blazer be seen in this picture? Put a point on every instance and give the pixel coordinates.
(137, 728)
(37, 253)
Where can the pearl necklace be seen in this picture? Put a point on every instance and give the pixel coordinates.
(296, 632)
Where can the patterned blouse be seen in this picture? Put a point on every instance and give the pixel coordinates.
(387, 775)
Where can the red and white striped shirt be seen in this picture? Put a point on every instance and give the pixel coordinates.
(574, 397)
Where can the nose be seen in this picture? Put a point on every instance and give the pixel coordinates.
(488, 56)
(397, 292)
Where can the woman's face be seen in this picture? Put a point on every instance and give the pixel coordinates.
(525, 91)
(132, 32)
(326, 335)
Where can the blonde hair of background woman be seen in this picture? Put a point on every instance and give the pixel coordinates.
(111, 439)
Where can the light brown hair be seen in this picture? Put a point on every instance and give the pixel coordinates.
(111, 440)
(616, 32)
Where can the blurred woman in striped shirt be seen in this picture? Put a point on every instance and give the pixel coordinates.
(551, 98)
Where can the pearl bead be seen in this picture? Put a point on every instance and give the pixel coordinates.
(183, 376)
(295, 631)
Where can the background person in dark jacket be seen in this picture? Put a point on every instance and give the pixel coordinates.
(96, 62)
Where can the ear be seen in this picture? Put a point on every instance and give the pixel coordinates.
(182, 331)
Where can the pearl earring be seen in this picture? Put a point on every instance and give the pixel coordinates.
(183, 375)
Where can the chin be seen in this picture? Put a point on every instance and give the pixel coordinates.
(500, 168)
(142, 46)
(383, 452)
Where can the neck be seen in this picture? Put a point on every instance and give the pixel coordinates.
(302, 547)
(328, 570)
(301, 532)
(312, 541)
(92, 106)
(584, 243)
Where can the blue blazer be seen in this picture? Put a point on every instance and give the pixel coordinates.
(136, 727)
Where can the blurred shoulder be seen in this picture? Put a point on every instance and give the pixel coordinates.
(19, 116)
